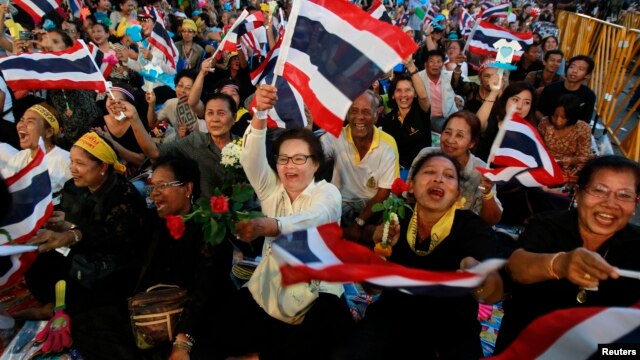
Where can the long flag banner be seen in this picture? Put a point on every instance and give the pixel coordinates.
(37, 8)
(72, 68)
(575, 334)
(486, 34)
(333, 51)
(289, 109)
(160, 39)
(249, 23)
(30, 190)
(518, 154)
(321, 254)
(378, 11)
(501, 11)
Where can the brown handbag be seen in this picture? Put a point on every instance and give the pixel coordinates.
(155, 313)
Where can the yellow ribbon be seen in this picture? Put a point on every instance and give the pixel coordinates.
(439, 231)
(47, 116)
(99, 148)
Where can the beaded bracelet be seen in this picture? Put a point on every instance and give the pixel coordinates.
(185, 345)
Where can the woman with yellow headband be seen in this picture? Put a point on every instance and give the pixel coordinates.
(41, 121)
(438, 236)
(102, 221)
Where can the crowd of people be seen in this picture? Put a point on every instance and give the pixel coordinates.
(432, 121)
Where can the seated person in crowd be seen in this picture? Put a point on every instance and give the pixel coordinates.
(530, 61)
(178, 111)
(366, 164)
(439, 86)
(564, 256)
(204, 148)
(438, 236)
(475, 95)
(461, 133)
(567, 138)
(409, 121)
(291, 200)
(579, 69)
(548, 75)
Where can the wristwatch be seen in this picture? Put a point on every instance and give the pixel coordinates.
(360, 222)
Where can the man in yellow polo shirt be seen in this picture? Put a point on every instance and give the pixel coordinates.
(366, 163)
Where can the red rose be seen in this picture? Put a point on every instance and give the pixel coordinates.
(219, 204)
(175, 225)
(399, 186)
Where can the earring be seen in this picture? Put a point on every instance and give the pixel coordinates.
(102, 173)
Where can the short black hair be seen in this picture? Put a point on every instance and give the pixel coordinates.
(571, 104)
(306, 135)
(584, 58)
(430, 53)
(220, 96)
(421, 161)
(553, 52)
(188, 73)
(183, 168)
(614, 162)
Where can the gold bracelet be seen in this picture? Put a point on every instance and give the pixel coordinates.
(76, 236)
(553, 259)
(487, 197)
(182, 345)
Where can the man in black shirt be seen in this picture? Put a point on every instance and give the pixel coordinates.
(530, 61)
(579, 69)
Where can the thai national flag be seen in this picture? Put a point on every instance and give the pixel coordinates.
(378, 11)
(76, 7)
(289, 109)
(466, 22)
(105, 66)
(321, 254)
(501, 11)
(72, 68)
(30, 191)
(38, 8)
(486, 34)
(256, 41)
(331, 53)
(519, 155)
(253, 22)
(575, 333)
(160, 39)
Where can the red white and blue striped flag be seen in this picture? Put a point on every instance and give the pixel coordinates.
(575, 333)
(289, 109)
(500, 11)
(30, 190)
(486, 34)
(333, 51)
(378, 11)
(72, 68)
(160, 39)
(518, 154)
(37, 8)
(98, 56)
(76, 7)
(252, 22)
(466, 22)
(321, 254)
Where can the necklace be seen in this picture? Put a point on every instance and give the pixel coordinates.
(581, 298)
(412, 235)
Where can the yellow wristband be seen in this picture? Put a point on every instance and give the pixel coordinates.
(487, 197)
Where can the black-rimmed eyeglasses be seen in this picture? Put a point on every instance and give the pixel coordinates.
(298, 159)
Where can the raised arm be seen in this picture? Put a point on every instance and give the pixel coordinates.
(418, 84)
(148, 146)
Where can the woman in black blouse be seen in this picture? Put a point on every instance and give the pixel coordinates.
(440, 237)
(102, 222)
(409, 120)
(189, 261)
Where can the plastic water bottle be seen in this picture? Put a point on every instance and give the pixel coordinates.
(7, 328)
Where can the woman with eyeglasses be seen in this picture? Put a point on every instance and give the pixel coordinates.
(189, 261)
(291, 200)
(190, 54)
(572, 258)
